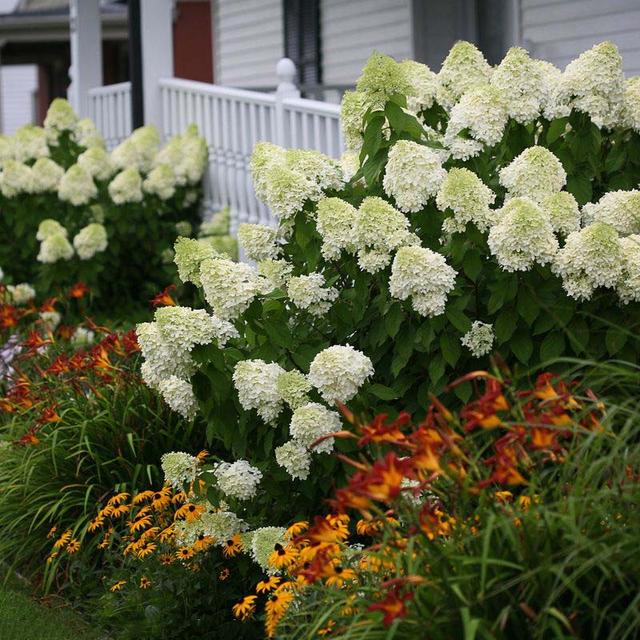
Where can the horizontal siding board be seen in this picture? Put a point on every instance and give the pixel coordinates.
(18, 84)
(352, 30)
(560, 31)
(249, 42)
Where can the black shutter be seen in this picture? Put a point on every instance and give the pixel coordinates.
(302, 41)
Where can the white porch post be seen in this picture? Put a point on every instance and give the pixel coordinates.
(156, 32)
(86, 52)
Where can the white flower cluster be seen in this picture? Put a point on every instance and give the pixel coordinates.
(263, 544)
(413, 175)
(54, 244)
(179, 468)
(187, 156)
(293, 387)
(82, 337)
(50, 319)
(86, 134)
(90, 240)
(238, 479)
(285, 179)
(178, 394)
(126, 186)
(60, 117)
(16, 178)
(184, 326)
(77, 186)
(275, 272)
(309, 292)
(631, 112)
(423, 275)
(138, 151)
(46, 175)
(256, 382)
(335, 222)
(563, 212)
(29, 143)
(338, 372)
(620, 209)
(295, 459)
(479, 339)
(628, 287)
(522, 236)
(258, 241)
(161, 182)
(468, 198)
(97, 163)
(423, 85)
(189, 254)
(312, 421)
(535, 174)
(21, 293)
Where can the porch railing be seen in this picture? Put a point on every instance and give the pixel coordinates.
(110, 109)
(232, 121)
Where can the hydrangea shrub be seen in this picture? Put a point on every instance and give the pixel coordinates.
(475, 211)
(75, 212)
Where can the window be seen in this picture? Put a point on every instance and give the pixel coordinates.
(302, 41)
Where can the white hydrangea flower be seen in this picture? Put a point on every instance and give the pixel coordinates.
(383, 77)
(184, 228)
(223, 331)
(286, 191)
(237, 479)
(277, 272)
(620, 209)
(55, 247)
(423, 275)
(628, 287)
(49, 227)
(522, 236)
(591, 258)
(563, 211)
(295, 459)
(162, 358)
(256, 382)
(221, 525)
(317, 167)
(265, 156)
(90, 240)
(479, 339)
(263, 544)
(335, 222)
(535, 174)
(179, 468)
(6, 148)
(86, 134)
(339, 371)
(551, 78)
(50, 319)
(126, 187)
(413, 175)
(97, 163)
(463, 69)
(60, 117)
(631, 111)
(258, 241)
(482, 115)
(16, 178)
(293, 387)
(185, 326)
(468, 198)
(29, 143)
(186, 155)
(309, 292)
(594, 84)
(161, 182)
(423, 85)
(353, 108)
(312, 421)
(189, 255)
(21, 293)
(522, 83)
(178, 394)
(46, 175)
(82, 337)
(229, 287)
(77, 186)
(379, 227)
(138, 150)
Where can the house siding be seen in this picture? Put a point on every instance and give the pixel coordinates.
(351, 30)
(248, 42)
(18, 86)
(559, 30)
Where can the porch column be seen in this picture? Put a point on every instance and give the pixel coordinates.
(156, 31)
(86, 52)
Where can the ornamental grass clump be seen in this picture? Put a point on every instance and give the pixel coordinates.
(477, 223)
(116, 212)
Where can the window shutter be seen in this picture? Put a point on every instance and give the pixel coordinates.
(302, 40)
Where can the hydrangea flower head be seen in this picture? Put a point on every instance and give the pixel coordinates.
(60, 117)
(310, 293)
(90, 240)
(185, 326)
(189, 255)
(468, 198)
(55, 247)
(265, 156)
(21, 293)
(382, 77)
(522, 236)
(179, 468)
(295, 459)
(424, 276)
(479, 339)
(353, 108)
(591, 258)
(628, 287)
(258, 241)
(178, 394)
(97, 163)
(86, 134)
(463, 69)
(339, 371)
(46, 175)
(161, 182)
(49, 227)
(620, 209)
(563, 211)
(237, 479)
(335, 221)
(631, 109)
(263, 544)
(312, 421)
(276, 272)
(16, 178)
(256, 382)
(293, 387)
(413, 175)
(30, 143)
(77, 186)
(423, 85)
(535, 174)
(126, 187)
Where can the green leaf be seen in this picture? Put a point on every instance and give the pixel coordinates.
(459, 320)
(472, 264)
(401, 121)
(521, 345)
(436, 369)
(581, 188)
(552, 346)
(615, 339)
(383, 392)
(528, 307)
(394, 319)
(556, 129)
(450, 348)
(505, 325)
